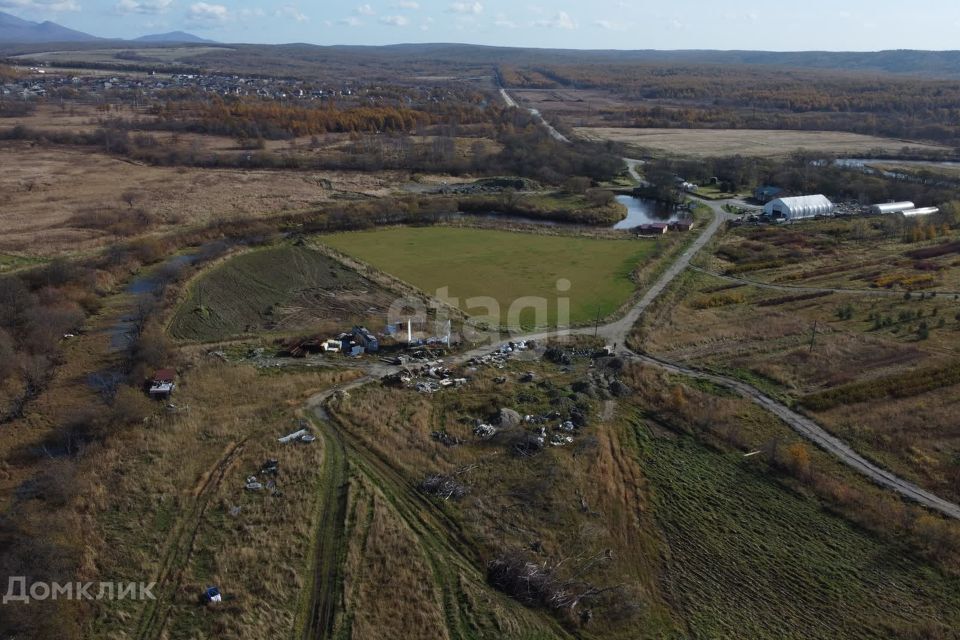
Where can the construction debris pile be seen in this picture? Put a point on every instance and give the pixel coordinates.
(551, 584)
(265, 478)
(498, 357)
(565, 357)
(601, 385)
(538, 431)
(443, 487)
(301, 435)
(445, 438)
(426, 377)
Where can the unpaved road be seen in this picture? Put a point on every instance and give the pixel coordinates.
(330, 539)
(813, 432)
(323, 598)
(325, 591)
(632, 165)
(556, 135)
(615, 333)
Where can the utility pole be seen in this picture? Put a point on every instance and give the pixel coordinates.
(596, 326)
(813, 336)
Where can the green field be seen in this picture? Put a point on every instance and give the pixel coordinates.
(505, 266)
(748, 559)
(10, 262)
(283, 288)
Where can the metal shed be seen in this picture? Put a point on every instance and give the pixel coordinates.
(891, 207)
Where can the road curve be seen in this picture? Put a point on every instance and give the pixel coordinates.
(816, 434)
(616, 333)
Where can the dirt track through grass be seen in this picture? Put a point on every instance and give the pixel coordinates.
(325, 594)
(440, 538)
(180, 548)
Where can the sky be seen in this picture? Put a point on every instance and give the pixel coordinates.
(837, 25)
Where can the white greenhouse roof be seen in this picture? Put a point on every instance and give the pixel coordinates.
(803, 202)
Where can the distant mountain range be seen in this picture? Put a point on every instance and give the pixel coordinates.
(174, 36)
(19, 31)
(13, 29)
(23, 36)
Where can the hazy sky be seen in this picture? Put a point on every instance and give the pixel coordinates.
(848, 25)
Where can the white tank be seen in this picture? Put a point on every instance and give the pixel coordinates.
(923, 211)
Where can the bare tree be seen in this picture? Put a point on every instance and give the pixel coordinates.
(130, 197)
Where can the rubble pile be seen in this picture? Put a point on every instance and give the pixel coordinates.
(602, 385)
(445, 438)
(427, 377)
(498, 357)
(443, 487)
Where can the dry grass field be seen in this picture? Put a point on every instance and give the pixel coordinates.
(47, 191)
(874, 369)
(748, 142)
(652, 484)
(650, 523)
(569, 101)
(186, 520)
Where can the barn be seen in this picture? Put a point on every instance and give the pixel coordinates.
(799, 207)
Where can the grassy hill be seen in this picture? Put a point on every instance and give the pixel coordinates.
(285, 288)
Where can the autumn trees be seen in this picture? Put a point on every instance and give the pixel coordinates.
(750, 97)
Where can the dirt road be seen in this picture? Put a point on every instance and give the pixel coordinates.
(329, 540)
(813, 432)
(325, 592)
(556, 135)
(616, 333)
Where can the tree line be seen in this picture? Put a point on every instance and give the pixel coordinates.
(751, 97)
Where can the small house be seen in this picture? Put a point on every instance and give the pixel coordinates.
(766, 193)
(653, 229)
(162, 383)
(366, 339)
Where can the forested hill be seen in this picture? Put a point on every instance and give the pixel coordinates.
(304, 58)
(905, 61)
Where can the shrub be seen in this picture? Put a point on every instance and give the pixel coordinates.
(897, 386)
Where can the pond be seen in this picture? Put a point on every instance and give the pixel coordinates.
(641, 211)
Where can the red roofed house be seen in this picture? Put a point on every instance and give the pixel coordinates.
(162, 383)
